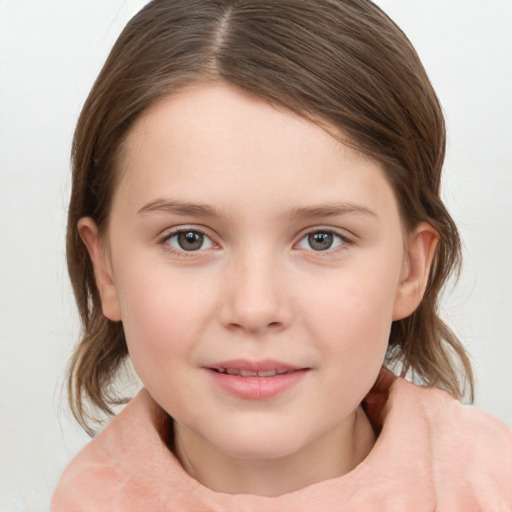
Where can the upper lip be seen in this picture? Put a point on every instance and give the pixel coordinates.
(255, 367)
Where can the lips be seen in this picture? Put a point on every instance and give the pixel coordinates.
(255, 380)
(252, 373)
(250, 368)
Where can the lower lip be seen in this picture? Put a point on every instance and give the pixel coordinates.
(257, 388)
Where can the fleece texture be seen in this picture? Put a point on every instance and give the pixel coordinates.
(432, 454)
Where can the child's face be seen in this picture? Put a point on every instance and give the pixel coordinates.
(244, 237)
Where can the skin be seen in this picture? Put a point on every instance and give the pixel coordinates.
(257, 288)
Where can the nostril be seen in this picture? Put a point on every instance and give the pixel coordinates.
(246, 327)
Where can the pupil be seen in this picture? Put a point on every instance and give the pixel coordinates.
(320, 241)
(190, 241)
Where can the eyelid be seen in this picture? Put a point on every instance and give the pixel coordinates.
(169, 233)
(174, 231)
(347, 239)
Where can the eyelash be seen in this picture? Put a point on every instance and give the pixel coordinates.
(344, 241)
(174, 233)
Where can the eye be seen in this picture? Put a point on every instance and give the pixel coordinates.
(188, 240)
(322, 241)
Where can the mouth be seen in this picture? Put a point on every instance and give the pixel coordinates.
(251, 368)
(252, 373)
(255, 380)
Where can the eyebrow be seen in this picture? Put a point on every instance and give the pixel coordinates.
(328, 210)
(180, 208)
(310, 212)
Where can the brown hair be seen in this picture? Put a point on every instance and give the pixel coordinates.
(343, 61)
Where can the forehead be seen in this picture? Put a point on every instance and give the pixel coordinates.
(211, 142)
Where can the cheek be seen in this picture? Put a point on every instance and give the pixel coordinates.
(163, 316)
(352, 315)
(347, 299)
(351, 332)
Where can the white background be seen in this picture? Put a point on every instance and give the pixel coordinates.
(50, 53)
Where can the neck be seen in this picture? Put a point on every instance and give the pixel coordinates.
(333, 455)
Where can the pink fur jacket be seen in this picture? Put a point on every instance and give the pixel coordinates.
(432, 454)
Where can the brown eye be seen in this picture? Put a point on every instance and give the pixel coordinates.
(189, 241)
(322, 241)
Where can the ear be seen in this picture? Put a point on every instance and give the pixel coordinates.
(421, 248)
(102, 268)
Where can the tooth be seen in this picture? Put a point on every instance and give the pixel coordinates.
(253, 373)
(248, 373)
(268, 373)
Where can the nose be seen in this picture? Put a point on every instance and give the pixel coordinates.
(254, 296)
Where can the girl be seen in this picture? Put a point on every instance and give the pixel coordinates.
(255, 222)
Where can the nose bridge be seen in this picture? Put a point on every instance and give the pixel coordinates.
(254, 297)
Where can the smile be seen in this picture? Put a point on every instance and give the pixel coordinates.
(253, 373)
(255, 380)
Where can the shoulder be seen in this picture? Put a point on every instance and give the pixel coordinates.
(103, 470)
(463, 425)
(128, 467)
(470, 450)
(89, 479)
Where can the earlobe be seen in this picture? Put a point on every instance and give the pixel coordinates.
(102, 268)
(416, 269)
